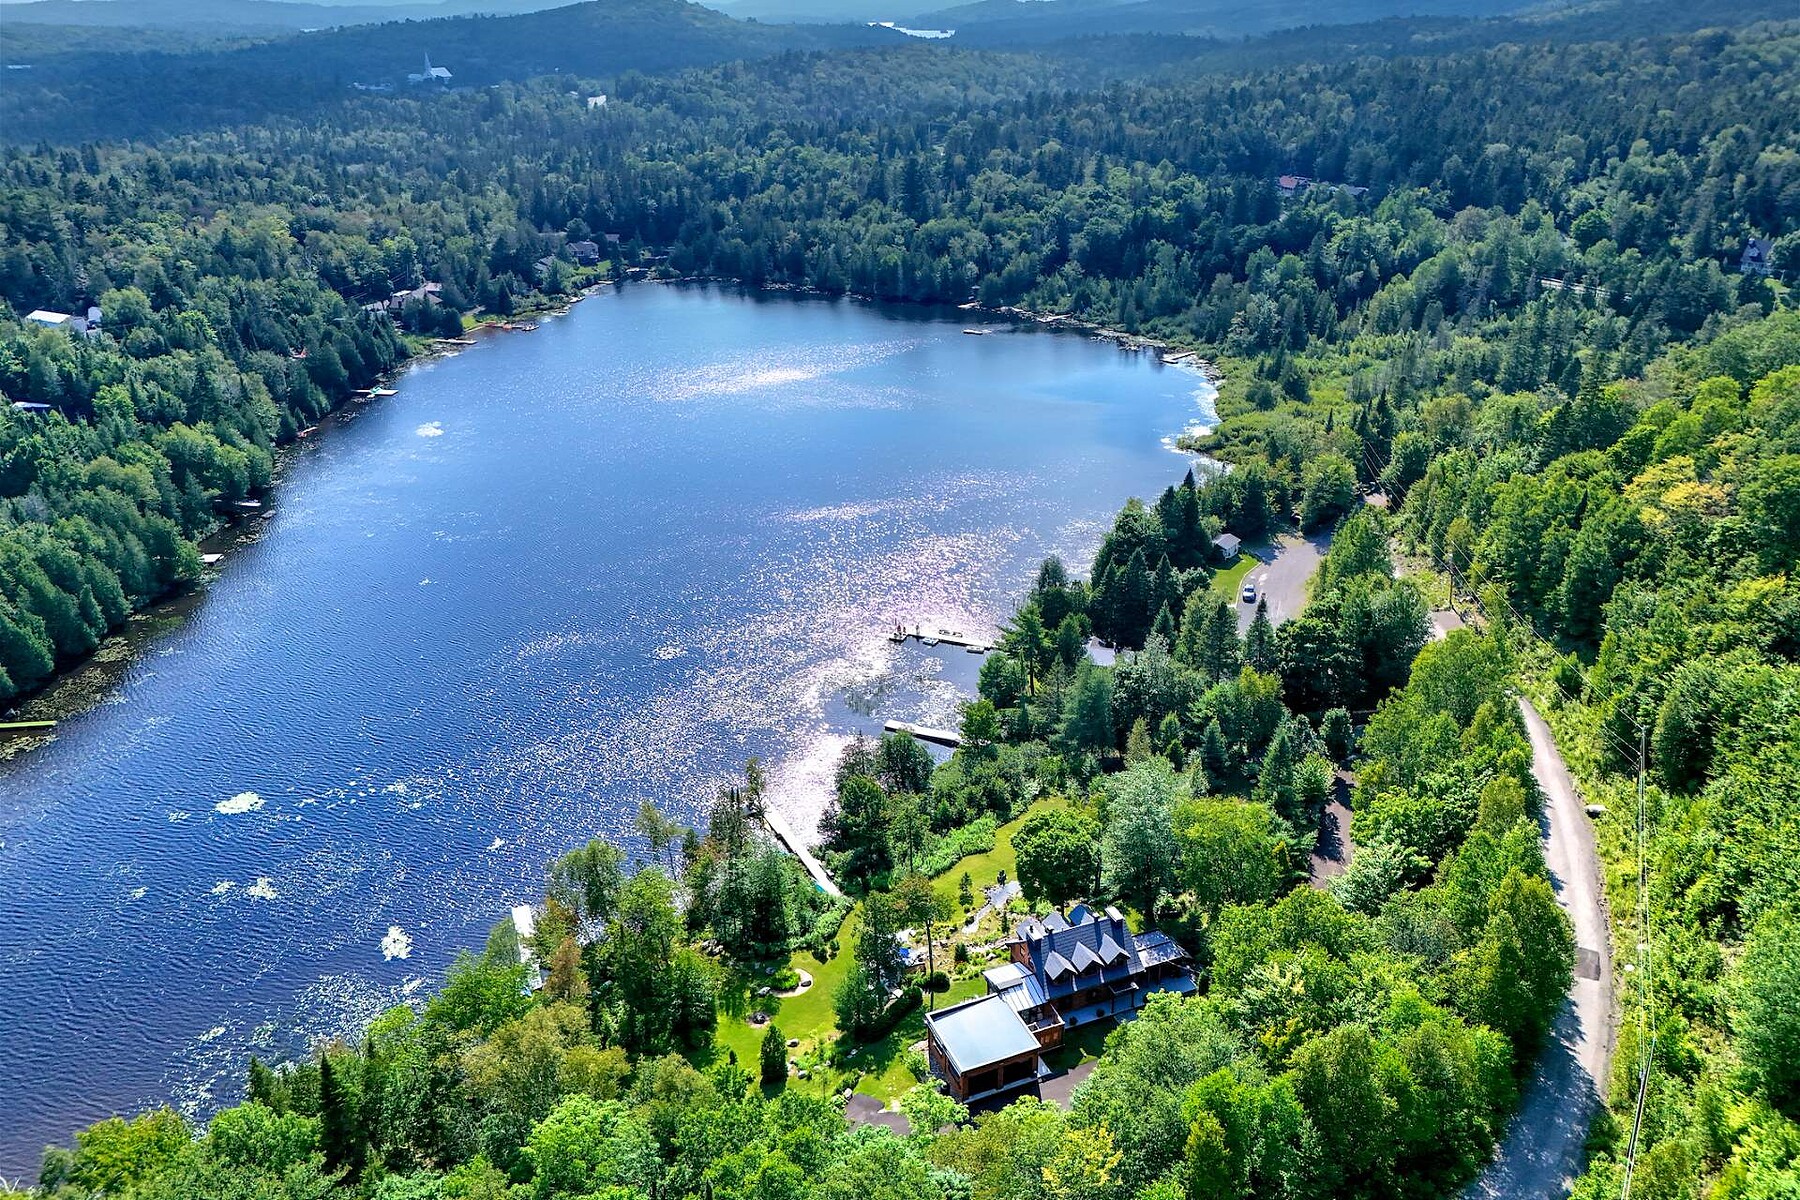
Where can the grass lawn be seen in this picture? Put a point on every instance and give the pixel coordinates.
(1084, 1045)
(984, 868)
(809, 1016)
(1226, 583)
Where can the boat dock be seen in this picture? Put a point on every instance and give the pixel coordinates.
(27, 726)
(814, 867)
(524, 923)
(459, 341)
(941, 737)
(948, 637)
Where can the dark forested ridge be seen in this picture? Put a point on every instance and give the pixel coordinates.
(103, 92)
(1527, 282)
(242, 16)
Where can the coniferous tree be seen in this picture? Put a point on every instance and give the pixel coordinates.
(1261, 651)
(341, 1135)
(772, 1058)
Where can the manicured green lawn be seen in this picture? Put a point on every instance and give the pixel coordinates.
(984, 869)
(1226, 583)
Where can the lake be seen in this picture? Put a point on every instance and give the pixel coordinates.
(558, 574)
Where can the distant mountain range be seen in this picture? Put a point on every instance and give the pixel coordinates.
(1031, 20)
(1002, 22)
(240, 17)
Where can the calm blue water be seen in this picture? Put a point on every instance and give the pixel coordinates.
(559, 574)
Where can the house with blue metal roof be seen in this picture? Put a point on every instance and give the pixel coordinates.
(1065, 972)
(1088, 966)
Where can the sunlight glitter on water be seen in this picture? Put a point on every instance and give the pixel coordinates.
(628, 599)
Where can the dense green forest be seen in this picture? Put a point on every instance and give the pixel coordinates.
(1529, 336)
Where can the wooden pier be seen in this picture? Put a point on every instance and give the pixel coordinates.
(785, 835)
(27, 726)
(941, 737)
(947, 637)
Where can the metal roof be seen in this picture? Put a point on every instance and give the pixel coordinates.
(1017, 986)
(979, 1033)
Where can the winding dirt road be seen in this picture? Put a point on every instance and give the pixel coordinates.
(1542, 1152)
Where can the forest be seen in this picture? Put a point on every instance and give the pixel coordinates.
(1507, 301)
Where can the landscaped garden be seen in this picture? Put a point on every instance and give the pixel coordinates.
(881, 1068)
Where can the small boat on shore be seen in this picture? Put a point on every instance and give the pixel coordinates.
(308, 431)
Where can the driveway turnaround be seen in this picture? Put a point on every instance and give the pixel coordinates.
(1283, 578)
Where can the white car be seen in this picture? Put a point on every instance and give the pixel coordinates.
(1249, 593)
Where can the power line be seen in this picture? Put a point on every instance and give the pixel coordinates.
(1646, 1027)
(1647, 1037)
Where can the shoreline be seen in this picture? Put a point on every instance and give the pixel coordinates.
(1169, 353)
(83, 685)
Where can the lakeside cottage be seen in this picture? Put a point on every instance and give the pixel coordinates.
(1065, 973)
(1758, 257)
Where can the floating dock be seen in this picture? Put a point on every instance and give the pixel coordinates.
(941, 737)
(462, 341)
(948, 637)
(27, 726)
(814, 867)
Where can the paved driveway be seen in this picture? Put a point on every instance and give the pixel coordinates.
(1283, 577)
(1542, 1151)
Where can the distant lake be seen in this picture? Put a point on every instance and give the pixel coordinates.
(558, 574)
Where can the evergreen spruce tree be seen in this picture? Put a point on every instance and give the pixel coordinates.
(1164, 626)
(1169, 740)
(1259, 641)
(1221, 651)
(266, 1086)
(773, 1059)
(1214, 757)
(1165, 589)
(1131, 613)
(1275, 779)
(340, 1128)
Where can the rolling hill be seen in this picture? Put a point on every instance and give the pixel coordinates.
(216, 17)
(93, 91)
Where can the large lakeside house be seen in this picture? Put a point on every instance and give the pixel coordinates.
(1065, 973)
